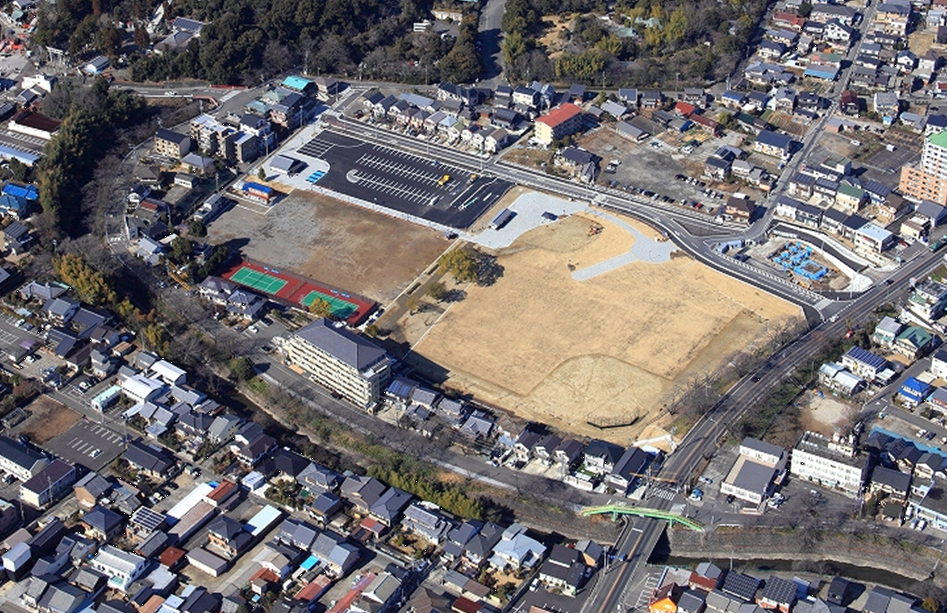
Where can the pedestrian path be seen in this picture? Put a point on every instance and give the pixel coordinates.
(643, 250)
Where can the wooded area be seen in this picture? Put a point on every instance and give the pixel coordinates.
(246, 41)
(673, 42)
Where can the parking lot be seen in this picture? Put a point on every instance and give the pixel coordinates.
(653, 168)
(885, 166)
(88, 443)
(401, 181)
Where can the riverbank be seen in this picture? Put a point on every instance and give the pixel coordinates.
(888, 556)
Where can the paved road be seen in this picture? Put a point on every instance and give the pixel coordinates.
(491, 39)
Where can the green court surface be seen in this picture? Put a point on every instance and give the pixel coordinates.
(258, 280)
(340, 308)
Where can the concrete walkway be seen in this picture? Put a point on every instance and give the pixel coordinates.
(529, 208)
(644, 250)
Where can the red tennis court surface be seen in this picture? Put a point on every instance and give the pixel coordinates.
(298, 289)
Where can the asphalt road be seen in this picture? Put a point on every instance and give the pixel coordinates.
(491, 38)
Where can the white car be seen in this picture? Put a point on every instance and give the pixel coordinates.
(253, 329)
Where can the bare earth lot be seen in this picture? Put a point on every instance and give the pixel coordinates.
(48, 419)
(340, 244)
(615, 347)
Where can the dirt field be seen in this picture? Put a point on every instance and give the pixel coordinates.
(614, 347)
(824, 414)
(48, 419)
(343, 245)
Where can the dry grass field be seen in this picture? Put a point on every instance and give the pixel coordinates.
(340, 244)
(560, 351)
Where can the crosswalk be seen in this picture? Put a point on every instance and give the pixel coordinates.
(663, 493)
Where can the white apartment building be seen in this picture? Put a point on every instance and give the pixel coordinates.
(829, 462)
(341, 361)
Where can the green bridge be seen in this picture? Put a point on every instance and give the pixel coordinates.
(615, 510)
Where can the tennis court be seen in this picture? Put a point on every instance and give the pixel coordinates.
(341, 308)
(258, 280)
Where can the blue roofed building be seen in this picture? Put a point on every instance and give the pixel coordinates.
(14, 207)
(27, 192)
(913, 392)
(15, 153)
(300, 84)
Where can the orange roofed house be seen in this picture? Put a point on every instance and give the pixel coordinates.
(562, 121)
(664, 599)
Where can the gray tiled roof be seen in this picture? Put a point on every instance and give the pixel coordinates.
(350, 348)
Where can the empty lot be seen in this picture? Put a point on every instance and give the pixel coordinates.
(339, 244)
(614, 347)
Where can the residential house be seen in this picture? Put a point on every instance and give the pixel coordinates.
(913, 342)
(102, 523)
(887, 331)
(427, 523)
(122, 568)
(864, 363)
(771, 143)
(600, 456)
(338, 555)
(563, 570)
(740, 208)
(894, 483)
(389, 506)
(706, 576)
(630, 467)
(778, 594)
(516, 549)
(362, 492)
(227, 538)
(151, 460)
(913, 392)
(90, 488)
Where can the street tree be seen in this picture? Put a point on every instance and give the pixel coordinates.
(437, 291)
(462, 263)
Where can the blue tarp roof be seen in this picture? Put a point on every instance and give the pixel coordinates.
(21, 191)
